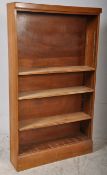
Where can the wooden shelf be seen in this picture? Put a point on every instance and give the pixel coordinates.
(52, 120)
(48, 70)
(62, 142)
(55, 92)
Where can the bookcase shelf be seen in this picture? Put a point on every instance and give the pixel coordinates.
(52, 65)
(52, 120)
(55, 92)
(51, 70)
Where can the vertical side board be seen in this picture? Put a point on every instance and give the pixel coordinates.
(97, 25)
(13, 83)
(91, 53)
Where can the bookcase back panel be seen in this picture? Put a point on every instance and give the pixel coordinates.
(56, 39)
(26, 63)
(49, 106)
(39, 82)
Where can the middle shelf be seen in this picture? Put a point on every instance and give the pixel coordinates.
(54, 92)
(41, 122)
(51, 70)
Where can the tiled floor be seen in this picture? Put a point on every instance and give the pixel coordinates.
(91, 164)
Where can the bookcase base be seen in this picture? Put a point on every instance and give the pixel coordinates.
(34, 159)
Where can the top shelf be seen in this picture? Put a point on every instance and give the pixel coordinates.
(51, 70)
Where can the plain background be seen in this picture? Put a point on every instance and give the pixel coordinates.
(100, 121)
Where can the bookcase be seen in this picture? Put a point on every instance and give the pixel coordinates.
(52, 65)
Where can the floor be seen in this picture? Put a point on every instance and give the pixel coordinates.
(91, 164)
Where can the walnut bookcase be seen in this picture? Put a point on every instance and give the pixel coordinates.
(52, 58)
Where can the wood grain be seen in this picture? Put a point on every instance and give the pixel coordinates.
(56, 40)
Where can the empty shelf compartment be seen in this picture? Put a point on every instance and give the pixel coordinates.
(58, 143)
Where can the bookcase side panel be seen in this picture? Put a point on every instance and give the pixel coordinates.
(91, 59)
(13, 83)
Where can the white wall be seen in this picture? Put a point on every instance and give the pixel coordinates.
(100, 122)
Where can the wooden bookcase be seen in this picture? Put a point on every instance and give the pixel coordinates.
(52, 58)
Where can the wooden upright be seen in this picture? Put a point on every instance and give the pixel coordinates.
(52, 63)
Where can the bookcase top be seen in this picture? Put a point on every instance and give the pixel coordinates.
(55, 8)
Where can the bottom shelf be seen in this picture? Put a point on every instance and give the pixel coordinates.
(54, 151)
(53, 144)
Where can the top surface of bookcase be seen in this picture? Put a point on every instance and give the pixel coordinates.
(56, 8)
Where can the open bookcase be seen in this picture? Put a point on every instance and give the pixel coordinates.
(52, 58)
